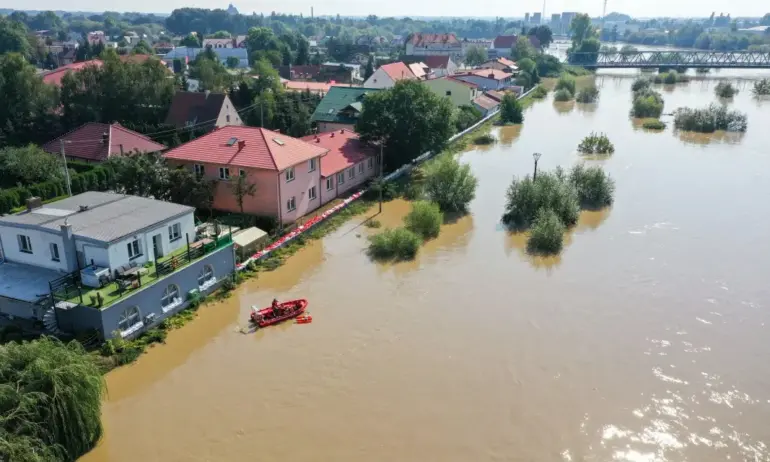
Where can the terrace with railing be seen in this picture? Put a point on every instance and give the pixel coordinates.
(70, 290)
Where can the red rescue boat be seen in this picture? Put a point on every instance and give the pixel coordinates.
(268, 316)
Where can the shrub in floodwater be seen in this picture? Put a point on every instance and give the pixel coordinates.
(702, 70)
(425, 219)
(642, 83)
(653, 124)
(526, 197)
(710, 119)
(372, 223)
(761, 88)
(394, 244)
(539, 92)
(484, 139)
(670, 78)
(596, 144)
(511, 110)
(566, 82)
(547, 233)
(595, 189)
(588, 95)
(451, 185)
(647, 103)
(725, 90)
(562, 95)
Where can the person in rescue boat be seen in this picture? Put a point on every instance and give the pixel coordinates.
(276, 308)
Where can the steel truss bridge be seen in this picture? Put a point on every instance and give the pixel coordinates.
(667, 58)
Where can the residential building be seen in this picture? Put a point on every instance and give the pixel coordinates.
(240, 41)
(420, 70)
(285, 170)
(502, 64)
(555, 21)
(300, 72)
(484, 44)
(757, 30)
(501, 47)
(67, 56)
(387, 75)
(347, 164)
(138, 254)
(340, 108)
(97, 142)
(162, 48)
(485, 104)
(460, 92)
(434, 44)
(189, 54)
(526, 18)
(97, 37)
(487, 79)
(342, 72)
(204, 110)
(537, 18)
(319, 88)
(54, 77)
(218, 43)
(566, 20)
(495, 95)
(439, 66)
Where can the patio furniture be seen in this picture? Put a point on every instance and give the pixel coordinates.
(126, 271)
(201, 243)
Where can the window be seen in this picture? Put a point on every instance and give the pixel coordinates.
(311, 165)
(130, 321)
(55, 252)
(134, 251)
(329, 183)
(206, 277)
(224, 173)
(291, 204)
(361, 167)
(170, 298)
(290, 174)
(351, 173)
(242, 173)
(311, 193)
(174, 232)
(199, 170)
(370, 163)
(449, 92)
(341, 178)
(25, 244)
(227, 117)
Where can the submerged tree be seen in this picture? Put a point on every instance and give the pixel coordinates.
(451, 185)
(511, 111)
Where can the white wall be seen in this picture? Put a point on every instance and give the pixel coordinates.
(380, 79)
(41, 249)
(324, 127)
(91, 251)
(350, 183)
(118, 251)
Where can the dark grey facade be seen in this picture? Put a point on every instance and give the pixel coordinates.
(143, 309)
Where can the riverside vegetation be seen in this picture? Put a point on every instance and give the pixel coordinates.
(710, 119)
(725, 90)
(532, 204)
(761, 88)
(647, 103)
(596, 144)
(588, 94)
(565, 88)
(670, 78)
(511, 110)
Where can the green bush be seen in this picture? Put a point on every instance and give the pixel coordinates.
(653, 124)
(562, 95)
(566, 82)
(511, 110)
(525, 198)
(710, 119)
(725, 90)
(394, 244)
(425, 219)
(596, 144)
(588, 95)
(539, 92)
(595, 189)
(761, 87)
(372, 223)
(647, 104)
(486, 138)
(670, 78)
(547, 233)
(451, 185)
(642, 83)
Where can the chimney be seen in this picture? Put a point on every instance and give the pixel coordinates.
(34, 203)
(491, 75)
(241, 145)
(207, 93)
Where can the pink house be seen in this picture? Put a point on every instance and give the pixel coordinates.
(285, 170)
(347, 164)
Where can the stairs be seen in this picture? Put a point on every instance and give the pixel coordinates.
(49, 321)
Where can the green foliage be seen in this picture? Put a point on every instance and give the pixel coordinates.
(525, 198)
(451, 185)
(409, 117)
(13, 37)
(394, 244)
(595, 189)
(522, 49)
(647, 104)
(725, 90)
(588, 94)
(596, 144)
(465, 117)
(548, 65)
(640, 84)
(761, 87)
(566, 82)
(28, 165)
(539, 92)
(424, 219)
(547, 233)
(142, 48)
(562, 95)
(475, 56)
(483, 139)
(581, 30)
(670, 78)
(710, 119)
(653, 124)
(51, 401)
(543, 33)
(511, 110)
(372, 223)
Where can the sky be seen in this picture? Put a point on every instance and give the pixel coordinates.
(486, 8)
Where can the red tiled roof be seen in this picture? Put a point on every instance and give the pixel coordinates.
(398, 71)
(54, 77)
(420, 39)
(436, 62)
(494, 74)
(508, 41)
(263, 149)
(345, 150)
(87, 142)
(495, 95)
(507, 62)
(486, 102)
(321, 87)
(467, 84)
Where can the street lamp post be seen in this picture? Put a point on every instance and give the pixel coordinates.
(535, 156)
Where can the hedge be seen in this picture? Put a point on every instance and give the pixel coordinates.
(96, 178)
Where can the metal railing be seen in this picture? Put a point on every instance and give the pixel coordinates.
(667, 58)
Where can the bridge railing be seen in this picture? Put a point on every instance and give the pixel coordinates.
(651, 59)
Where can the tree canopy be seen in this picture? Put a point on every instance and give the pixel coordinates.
(475, 56)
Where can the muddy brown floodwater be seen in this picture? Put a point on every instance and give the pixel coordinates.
(646, 340)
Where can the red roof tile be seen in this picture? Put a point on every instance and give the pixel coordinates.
(495, 95)
(494, 74)
(420, 39)
(54, 77)
(436, 62)
(345, 150)
(89, 143)
(507, 62)
(263, 149)
(486, 102)
(398, 71)
(467, 84)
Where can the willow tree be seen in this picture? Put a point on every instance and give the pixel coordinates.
(50, 401)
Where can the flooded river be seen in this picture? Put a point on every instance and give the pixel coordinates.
(646, 340)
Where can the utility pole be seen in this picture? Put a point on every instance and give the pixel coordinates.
(382, 184)
(535, 156)
(66, 170)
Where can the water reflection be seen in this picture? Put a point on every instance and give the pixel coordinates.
(564, 107)
(509, 134)
(587, 108)
(296, 268)
(704, 139)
